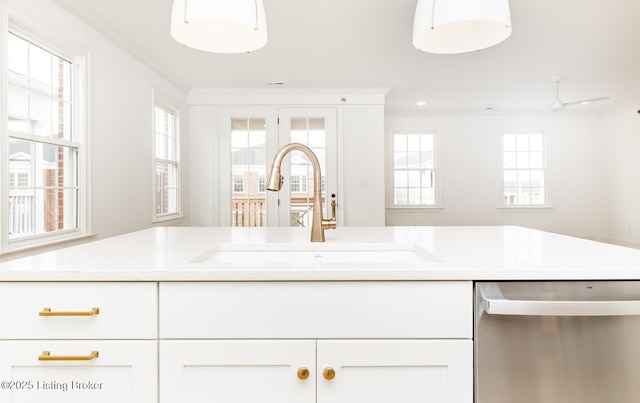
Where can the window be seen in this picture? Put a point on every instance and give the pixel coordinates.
(414, 170)
(18, 180)
(167, 161)
(238, 184)
(298, 184)
(45, 143)
(524, 169)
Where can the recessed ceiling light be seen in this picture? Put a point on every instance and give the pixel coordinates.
(421, 103)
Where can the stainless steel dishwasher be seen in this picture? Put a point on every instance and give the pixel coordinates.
(557, 342)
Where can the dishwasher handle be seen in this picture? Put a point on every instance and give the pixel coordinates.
(493, 303)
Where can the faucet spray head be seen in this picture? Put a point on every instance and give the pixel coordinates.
(275, 179)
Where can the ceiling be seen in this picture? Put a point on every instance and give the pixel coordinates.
(365, 43)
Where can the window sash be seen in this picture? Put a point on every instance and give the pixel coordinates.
(166, 161)
(40, 90)
(414, 170)
(524, 169)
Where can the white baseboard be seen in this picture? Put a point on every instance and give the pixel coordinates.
(619, 242)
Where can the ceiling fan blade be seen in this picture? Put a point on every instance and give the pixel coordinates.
(586, 101)
(533, 104)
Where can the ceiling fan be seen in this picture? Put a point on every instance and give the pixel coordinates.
(558, 105)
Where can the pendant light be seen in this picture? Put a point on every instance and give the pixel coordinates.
(459, 26)
(221, 26)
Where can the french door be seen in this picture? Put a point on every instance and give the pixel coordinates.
(249, 139)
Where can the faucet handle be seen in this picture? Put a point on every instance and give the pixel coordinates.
(333, 207)
(332, 222)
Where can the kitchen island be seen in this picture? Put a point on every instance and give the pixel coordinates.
(188, 315)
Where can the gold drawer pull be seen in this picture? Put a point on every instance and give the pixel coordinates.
(329, 373)
(303, 373)
(46, 356)
(48, 312)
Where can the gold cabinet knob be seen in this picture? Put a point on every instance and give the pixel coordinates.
(303, 373)
(329, 373)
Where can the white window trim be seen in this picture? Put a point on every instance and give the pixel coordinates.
(80, 123)
(158, 98)
(547, 195)
(437, 206)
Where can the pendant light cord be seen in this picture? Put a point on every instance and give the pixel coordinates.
(433, 14)
(255, 2)
(186, 4)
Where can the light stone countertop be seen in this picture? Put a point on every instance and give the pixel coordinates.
(349, 254)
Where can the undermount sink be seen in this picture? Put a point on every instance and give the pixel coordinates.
(315, 254)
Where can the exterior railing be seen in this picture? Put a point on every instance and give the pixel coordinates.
(20, 215)
(248, 212)
(251, 212)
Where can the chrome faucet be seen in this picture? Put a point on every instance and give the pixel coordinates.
(318, 222)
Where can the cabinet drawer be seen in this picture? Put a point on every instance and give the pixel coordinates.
(123, 371)
(245, 310)
(72, 310)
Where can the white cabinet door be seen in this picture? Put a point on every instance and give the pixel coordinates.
(406, 371)
(237, 371)
(78, 371)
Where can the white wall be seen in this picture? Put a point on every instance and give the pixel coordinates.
(471, 173)
(363, 165)
(203, 157)
(120, 118)
(621, 137)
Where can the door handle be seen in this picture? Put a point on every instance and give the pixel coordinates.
(494, 303)
(49, 312)
(46, 356)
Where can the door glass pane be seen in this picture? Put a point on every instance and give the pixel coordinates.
(311, 132)
(248, 172)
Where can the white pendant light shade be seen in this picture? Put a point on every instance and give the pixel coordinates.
(221, 26)
(459, 26)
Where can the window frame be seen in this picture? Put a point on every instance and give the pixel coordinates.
(166, 103)
(436, 178)
(545, 187)
(79, 77)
